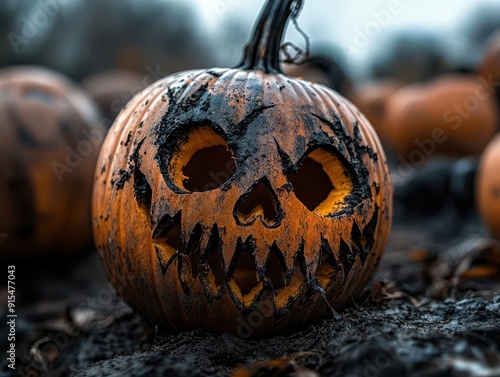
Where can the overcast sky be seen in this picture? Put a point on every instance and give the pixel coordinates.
(342, 22)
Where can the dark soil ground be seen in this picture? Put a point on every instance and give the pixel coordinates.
(433, 310)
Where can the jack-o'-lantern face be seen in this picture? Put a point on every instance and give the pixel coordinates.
(44, 202)
(226, 192)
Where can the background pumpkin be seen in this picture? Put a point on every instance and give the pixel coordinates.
(428, 113)
(41, 115)
(488, 187)
(225, 194)
(323, 69)
(371, 98)
(490, 65)
(111, 90)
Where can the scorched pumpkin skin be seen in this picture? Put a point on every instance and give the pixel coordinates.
(188, 257)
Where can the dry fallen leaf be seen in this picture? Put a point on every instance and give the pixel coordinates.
(475, 258)
(277, 368)
(388, 291)
(418, 255)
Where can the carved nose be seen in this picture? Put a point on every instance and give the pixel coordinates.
(259, 202)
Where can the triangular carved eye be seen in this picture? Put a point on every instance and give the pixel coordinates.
(322, 182)
(202, 162)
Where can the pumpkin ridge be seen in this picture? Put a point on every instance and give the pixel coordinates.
(133, 161)
(131, 124)
(190, 86)
(127, 127)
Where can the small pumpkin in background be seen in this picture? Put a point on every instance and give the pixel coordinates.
(229, 197)
(488, 187)
(371, 98)
(49, 145)
(325, 70)
(111, 90)
(453, 115)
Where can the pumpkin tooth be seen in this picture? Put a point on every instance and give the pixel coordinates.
(165, 225)
(214, 262)
(285, 298)
(347, 256)
(229, 246)
(193, 243)
(310, 257)
(289, 258)
(244, 271)
(327, 266)
(246, 282)
(261, 251)
(311, 264)
(167, 240)
(286, 295)
(210, 269)
(205, 239)
(184, 271)
(190, 226)
(275, 268)
(165, 259)
(213, 242)
(299, 265)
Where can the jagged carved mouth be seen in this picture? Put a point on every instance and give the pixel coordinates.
(199, 256)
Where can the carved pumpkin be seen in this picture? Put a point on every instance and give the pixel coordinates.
(453, 115)
(111, 90)
(45, 182)
(223, 195)
(371, 98)
(488, 187)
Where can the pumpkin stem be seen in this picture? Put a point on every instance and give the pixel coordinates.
(263, 51)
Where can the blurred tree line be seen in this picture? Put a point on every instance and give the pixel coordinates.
(415, 56)
(81, 37)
